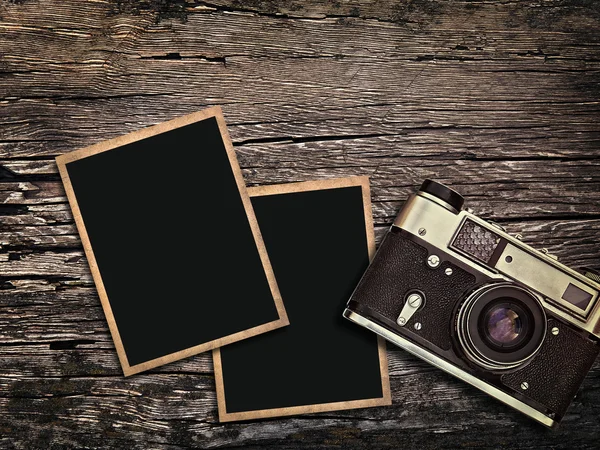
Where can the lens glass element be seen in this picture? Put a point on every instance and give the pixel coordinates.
(506, 324)
(503, 325)
(500, 326)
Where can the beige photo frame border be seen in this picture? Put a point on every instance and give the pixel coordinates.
(144, 133)
(386, 399)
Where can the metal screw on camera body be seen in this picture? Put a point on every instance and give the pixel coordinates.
(433, 261)
(415, 300)
(422, 231)
(418, 326)
(555, 331)
(448, 271)
(524, 385)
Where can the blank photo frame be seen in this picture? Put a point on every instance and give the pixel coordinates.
(319, 236)
(172, 241)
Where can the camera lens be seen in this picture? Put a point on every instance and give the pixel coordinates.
(505, 324)
(501, 326)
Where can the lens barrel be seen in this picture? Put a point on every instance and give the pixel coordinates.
(501, 326)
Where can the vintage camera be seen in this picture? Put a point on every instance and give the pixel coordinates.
(462, 294)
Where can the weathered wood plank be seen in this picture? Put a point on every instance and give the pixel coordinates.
(72, 265)
(477, 28)
(151, 405)
(552, 15)
(517, 188)
(481, 129)
(340, 82)
(383, 70)
(573, 240)
(24, 215)
(61, 236)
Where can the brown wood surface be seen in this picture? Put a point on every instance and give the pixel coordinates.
(501, 99)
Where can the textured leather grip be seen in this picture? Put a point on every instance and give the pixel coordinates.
(556, 372)
(400, 267)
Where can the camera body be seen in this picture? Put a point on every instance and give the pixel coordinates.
(462, 294)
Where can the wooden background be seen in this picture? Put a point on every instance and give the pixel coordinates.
(501, 99)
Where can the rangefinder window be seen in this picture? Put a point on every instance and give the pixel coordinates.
(577, 297)
(476, 241)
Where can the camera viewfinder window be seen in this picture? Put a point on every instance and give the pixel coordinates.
(577, 297)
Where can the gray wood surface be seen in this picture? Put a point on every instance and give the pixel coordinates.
(501, 99)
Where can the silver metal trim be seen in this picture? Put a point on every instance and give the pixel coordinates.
(449, 368)
(541, 277)
(440, 202)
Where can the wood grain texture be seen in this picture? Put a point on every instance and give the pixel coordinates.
(501, 99)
